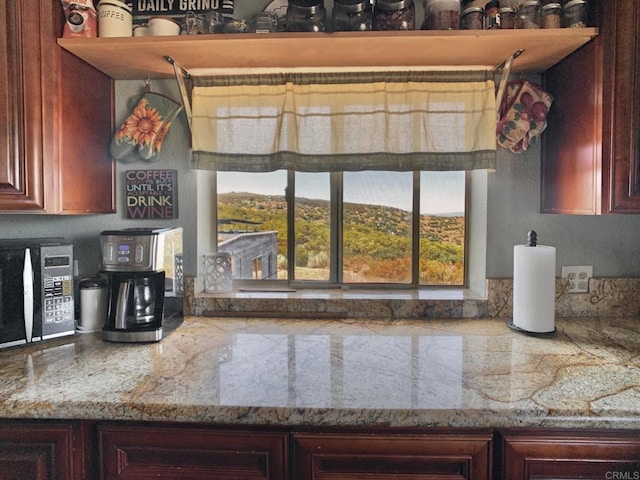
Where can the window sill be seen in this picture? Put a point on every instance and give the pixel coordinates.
(337, 303)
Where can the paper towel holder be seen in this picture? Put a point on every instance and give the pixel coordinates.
(532, 243)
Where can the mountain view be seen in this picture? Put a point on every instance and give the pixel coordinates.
(377, 239)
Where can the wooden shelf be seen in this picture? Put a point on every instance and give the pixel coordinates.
(144, 57)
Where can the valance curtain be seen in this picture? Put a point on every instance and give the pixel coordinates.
(344, 122)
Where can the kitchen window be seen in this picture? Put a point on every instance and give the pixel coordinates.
(371, 228)
(344, 179)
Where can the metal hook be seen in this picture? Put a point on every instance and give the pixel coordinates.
(502, 86)
(515, 55)
(181, 74)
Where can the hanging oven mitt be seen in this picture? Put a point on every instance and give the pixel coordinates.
(523, 115)
(149, 150)
(146, 126)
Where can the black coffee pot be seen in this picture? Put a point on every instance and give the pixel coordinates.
(136, 306)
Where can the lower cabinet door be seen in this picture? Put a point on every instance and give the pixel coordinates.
(190, 453)
(560, 455)
(406, 456)
(34, 451)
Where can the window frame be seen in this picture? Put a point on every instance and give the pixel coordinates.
(335, 280)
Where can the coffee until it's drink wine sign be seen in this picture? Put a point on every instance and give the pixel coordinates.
(152, 194)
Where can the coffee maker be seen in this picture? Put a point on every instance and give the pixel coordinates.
(134, 262)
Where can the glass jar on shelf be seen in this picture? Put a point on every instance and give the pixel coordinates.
(528, 14)
(507, 18)
(551, 16)
(492, 15)
(264, 22)
(442, 14)
(351, 15)
(193, 24)
(575, 13)
(306, 16)
(236, 26)
(472, 18)
(214, 22)
(394, 15)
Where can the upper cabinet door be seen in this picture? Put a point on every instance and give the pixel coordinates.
(591, 148)
(20, 111)
(55, 118)
(622, 67)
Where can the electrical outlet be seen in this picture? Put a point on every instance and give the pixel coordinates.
(578, 278)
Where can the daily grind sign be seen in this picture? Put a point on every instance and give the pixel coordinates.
(152, 194)
(179, 8)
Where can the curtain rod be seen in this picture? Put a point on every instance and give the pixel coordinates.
(252, 72)
(344, 77)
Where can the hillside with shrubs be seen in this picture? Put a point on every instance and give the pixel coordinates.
(377, 240)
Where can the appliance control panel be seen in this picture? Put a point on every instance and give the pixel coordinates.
(58, 298)
(141, 250)
(129, 253)
(58, 314)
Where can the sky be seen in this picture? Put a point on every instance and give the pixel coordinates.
(441, 192)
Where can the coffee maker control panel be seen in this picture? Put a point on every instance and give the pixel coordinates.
(125, 253)
(145, 250)
(130, 253)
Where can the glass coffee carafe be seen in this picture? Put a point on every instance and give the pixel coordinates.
(144, 299)
(136, 304)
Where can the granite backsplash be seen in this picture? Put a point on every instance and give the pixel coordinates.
(607, 296)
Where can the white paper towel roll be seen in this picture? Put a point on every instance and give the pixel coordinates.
(534, 288)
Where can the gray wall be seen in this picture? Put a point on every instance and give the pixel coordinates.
(609, 243)
(84, 231)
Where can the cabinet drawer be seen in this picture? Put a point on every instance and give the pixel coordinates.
(166, 452)
(332, 456)
(553, 455)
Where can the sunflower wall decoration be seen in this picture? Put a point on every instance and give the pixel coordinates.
(146, 127)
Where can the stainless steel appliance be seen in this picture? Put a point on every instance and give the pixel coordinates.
(135, 307)
(36, 291)
(141, 269)
(145, 250)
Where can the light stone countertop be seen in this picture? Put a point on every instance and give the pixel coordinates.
(458, 373)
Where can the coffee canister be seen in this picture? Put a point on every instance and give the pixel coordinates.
(93, 304)
(114, 19)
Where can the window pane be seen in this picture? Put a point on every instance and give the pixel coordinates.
(252, 223)
(312, 226)
(377, 227)
(442, 228)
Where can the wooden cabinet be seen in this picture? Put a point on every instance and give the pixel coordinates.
(55, 118)
(543, 454)
(359, 456)
(76, 450)
(591, 148)
(191, 452)
(621, 145)
(43, 450)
